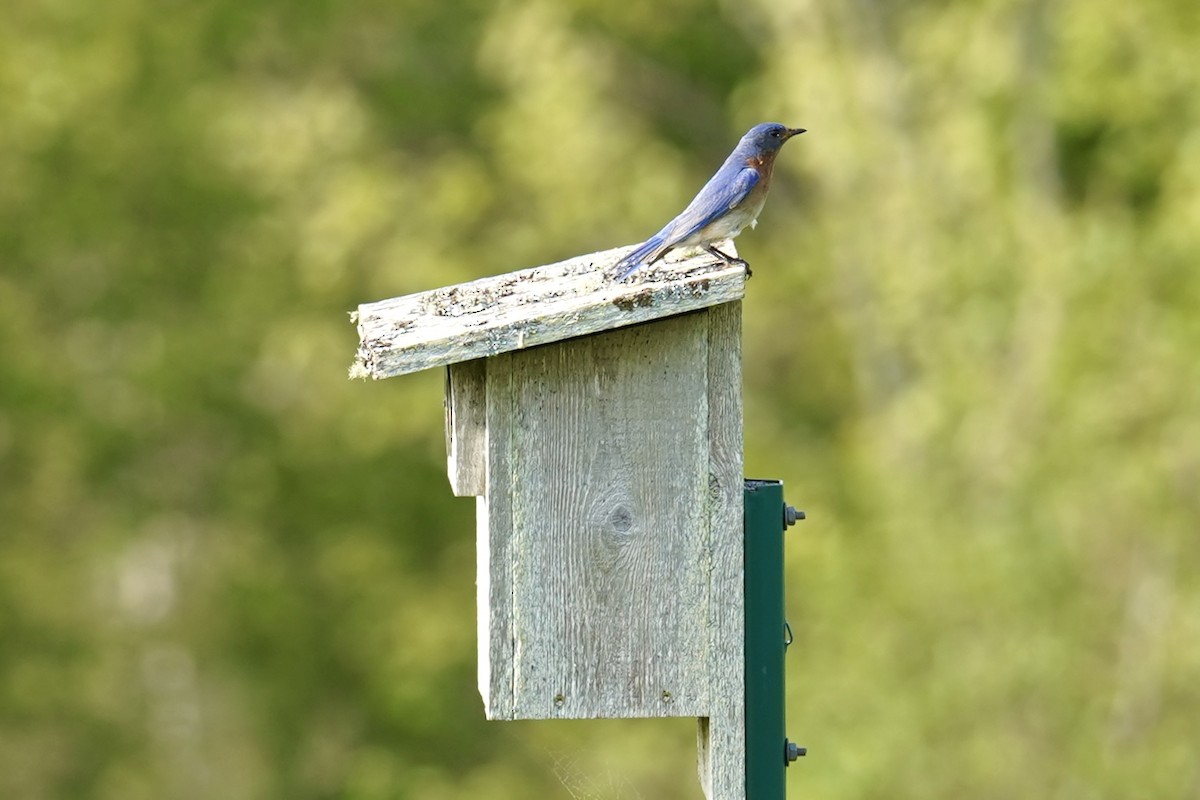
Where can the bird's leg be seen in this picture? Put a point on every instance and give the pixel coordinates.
(728, 259)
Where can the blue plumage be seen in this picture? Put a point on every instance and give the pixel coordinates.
(730, 201)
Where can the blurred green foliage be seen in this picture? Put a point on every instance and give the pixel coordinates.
(972, 353)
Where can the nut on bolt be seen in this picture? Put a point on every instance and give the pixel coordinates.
(791, 515)
(792, 751)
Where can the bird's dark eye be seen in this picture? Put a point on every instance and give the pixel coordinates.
(775, 133)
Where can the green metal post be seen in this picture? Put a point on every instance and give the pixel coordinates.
(765, 625)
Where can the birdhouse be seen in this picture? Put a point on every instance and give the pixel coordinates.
(599, 426)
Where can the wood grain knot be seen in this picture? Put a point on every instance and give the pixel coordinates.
(621, 519)
(714, 487)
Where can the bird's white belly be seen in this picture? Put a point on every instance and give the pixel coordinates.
(728, 226)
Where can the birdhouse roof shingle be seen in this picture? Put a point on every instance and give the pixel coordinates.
(531, 307)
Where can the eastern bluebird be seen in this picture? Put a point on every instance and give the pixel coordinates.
(731, 200)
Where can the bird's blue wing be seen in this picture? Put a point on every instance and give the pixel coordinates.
(719, 196)
(724, 192)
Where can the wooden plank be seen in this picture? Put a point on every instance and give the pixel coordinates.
(610, 569)
(494, 547)
(722, 733)
(532, 307)
(466, 427)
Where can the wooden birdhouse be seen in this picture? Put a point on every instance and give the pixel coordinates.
(599, 426)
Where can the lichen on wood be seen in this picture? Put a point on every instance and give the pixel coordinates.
(531, 307)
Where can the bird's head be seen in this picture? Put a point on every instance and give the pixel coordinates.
(767, 137)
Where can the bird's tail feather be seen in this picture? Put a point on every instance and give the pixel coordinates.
(649, 249)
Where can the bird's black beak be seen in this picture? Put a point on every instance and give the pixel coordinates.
(795, 131)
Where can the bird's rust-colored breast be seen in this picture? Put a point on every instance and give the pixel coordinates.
(762, 165)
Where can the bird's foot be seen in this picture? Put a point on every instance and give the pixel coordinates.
(731, 261)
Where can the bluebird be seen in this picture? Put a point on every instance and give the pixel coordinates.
(731, 200)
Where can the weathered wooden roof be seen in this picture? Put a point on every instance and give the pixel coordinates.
(532, 307)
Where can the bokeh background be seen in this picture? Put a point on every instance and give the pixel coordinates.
(972, 352)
